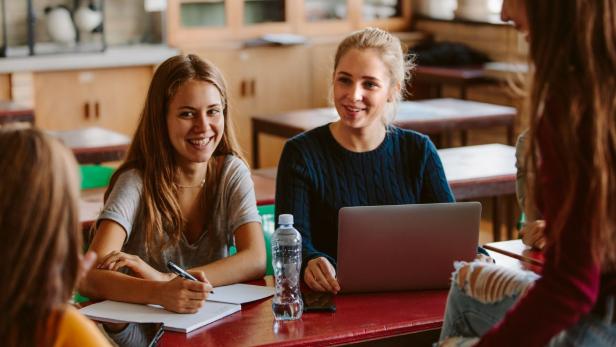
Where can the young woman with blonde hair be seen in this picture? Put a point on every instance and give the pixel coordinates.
(183, 194)
(572, 151)
(361, 159)
(40, 243)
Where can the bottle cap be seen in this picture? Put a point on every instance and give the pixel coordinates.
(285, 219)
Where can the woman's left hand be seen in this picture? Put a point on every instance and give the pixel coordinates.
(116, 260)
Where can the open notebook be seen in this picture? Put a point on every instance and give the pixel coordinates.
(225, 301)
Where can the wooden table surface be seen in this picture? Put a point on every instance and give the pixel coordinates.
(358, 317)
(433, 117)
(94, 145)
(13, 112)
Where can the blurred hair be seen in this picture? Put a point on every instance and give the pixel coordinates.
(40, 240)
(573, 98)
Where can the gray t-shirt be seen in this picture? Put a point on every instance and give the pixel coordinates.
(234, 205)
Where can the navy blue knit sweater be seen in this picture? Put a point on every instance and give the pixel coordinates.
(317, 176)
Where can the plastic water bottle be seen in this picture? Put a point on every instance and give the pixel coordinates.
(287, 261)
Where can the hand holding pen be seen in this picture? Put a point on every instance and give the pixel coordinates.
(184, 294)
(181, 272)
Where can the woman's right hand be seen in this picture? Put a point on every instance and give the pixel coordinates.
(533, 234)
(184, 296)
(320, 276)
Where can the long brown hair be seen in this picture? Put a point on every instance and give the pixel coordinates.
(573, 97)
(153, 156)
(40, 240)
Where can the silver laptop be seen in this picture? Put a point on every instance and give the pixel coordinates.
(404, 247)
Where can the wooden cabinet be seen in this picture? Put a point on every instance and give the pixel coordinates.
(195, 22)
(110, 98)
(5, 87)
(200, 22)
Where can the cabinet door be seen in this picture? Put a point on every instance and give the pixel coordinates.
(282, 84)
(195, 22)
(118, 96)
(260, 17)
(5, 87)
(109, 98)
(60, 99)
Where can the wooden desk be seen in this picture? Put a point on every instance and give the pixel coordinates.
(518, 250)
(433, 117)
(460, 76)
(94, 145)
(474, 172)
(11, 112)
(91, 201)
(357, 318)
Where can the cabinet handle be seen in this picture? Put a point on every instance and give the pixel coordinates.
(86, 110)
(243, 88)
(97, 108)
(252, 87)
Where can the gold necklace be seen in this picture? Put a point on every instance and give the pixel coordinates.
(195, 186)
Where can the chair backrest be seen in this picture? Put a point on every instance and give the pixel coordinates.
(268, 226)
(95, 176)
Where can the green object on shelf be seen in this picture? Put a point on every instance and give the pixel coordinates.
(95, 176)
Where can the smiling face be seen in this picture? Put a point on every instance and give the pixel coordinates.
(515, 11)
(195, 121)
(362, 88)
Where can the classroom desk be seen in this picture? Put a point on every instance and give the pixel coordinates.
(11, 112)
(91, 201)
(460, 76)
(518, 250)
(433, 117)
(94, 145)
(358, 317)
(483, 171)
(377, 317)
(474, 172)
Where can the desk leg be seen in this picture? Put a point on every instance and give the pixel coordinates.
(255, 146)
(496, 223)
(463, 92)
(464, 137)
(448, 138)
(510, 217)
(510, 139)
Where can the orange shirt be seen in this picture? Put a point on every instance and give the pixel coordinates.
(78, 331)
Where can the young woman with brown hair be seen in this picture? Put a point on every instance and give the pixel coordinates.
(40, 243)
(572, 150)
(183, 194)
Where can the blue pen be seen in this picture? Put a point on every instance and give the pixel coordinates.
(181, 272)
